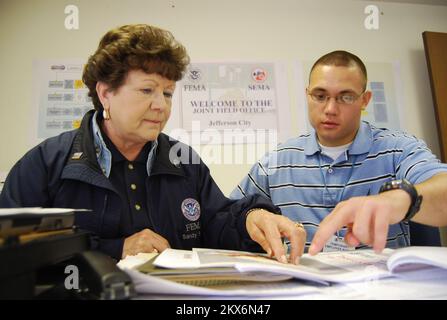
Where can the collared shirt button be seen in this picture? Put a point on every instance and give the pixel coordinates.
(330, 170)
(137, 207)
(130, 166)
(133, 186)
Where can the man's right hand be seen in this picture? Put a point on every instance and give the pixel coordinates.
(144, 241)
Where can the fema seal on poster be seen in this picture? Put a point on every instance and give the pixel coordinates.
(191, 209)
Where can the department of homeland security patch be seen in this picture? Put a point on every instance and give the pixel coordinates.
(191, 209)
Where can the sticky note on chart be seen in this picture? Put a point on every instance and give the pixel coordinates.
(78, 84)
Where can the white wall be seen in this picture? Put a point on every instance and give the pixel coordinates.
(217, 30)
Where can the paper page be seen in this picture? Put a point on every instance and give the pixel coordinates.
(405, 257)
(429, 284)
(146, 284)
(334, 292)
(36, 210)
(325, 267)
(219, 257)
(132, 262)
(174, 258)
(206, 258)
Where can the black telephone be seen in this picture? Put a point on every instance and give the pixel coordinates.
(102, 278)
(44, 267)
(88, 275)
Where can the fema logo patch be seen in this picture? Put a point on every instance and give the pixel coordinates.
(191, 209)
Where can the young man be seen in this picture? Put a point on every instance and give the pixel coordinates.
(347, 177)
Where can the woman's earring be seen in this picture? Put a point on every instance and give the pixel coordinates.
(105, 114)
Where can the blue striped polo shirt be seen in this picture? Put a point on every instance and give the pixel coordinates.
(307, 185)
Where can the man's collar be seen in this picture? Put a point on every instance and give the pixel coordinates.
(361, 144)
(363, 140)
(312, 146)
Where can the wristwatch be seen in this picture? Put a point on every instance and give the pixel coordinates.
(407, 186)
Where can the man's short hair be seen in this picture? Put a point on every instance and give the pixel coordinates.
(341, 58)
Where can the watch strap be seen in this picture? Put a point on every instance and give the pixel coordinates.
(407, 186)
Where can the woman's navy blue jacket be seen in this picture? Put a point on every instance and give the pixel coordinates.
(63, 172)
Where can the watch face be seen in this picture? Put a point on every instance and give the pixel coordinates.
(403, 185)
(396, 182)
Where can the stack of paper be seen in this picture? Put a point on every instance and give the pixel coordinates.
(233, 273)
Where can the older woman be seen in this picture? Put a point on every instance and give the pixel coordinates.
(117, 163)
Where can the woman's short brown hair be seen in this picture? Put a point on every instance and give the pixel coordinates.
(134, 47)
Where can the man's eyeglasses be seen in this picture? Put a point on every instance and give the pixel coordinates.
(344, 98)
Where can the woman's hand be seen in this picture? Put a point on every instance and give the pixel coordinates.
(267, 229)
(144, 241)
